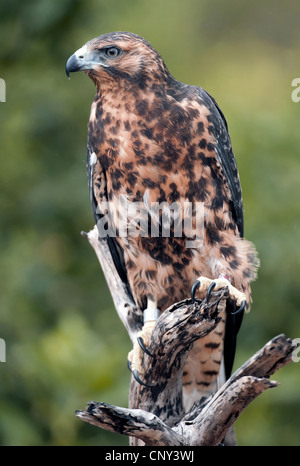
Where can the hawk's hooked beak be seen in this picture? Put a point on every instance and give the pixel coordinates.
(82, 59)
(72, 65)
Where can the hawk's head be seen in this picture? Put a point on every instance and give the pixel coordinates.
(118, 56)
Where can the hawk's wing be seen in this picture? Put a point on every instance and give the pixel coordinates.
(115, 249)
(226, 158)
(228, 164)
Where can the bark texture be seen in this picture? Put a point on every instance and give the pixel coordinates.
(155, 415)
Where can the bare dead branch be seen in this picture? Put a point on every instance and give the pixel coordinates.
(129, 314)
(160, 419)
(133, 422)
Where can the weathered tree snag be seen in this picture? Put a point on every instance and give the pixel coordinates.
(132, 422)
(155, 415)
(126, 309)
(176, 330)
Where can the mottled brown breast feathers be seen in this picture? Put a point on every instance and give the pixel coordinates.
(160, 141)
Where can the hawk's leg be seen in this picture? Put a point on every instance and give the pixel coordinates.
(135, 357)
(206, 285)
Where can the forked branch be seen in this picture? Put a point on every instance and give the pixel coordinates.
(161, 419)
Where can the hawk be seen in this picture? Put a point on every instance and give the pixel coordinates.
(154, 141)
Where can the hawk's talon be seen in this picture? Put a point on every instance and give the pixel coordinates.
(194, 289)
(207, 285)
(136, 376)
(211, 287)
(242, 307)
(141, 343)
(136, 355)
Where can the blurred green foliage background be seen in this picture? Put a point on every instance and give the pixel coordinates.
(65, 344)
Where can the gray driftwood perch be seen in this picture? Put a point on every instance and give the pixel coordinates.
(155, 415)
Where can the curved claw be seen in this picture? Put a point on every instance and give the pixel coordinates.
(242, 307)
(194, 289)
(141, 343)
(211, 287)
(136, 376)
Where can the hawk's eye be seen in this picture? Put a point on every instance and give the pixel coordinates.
(112, 52)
